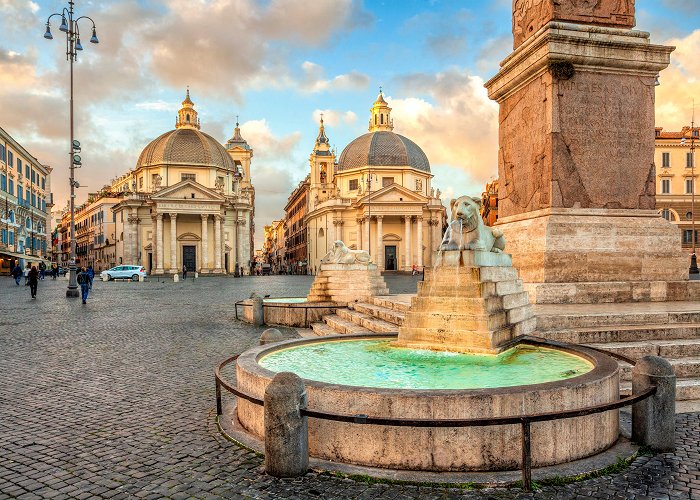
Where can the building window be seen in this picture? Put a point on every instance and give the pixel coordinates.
(666, 214)
(665, 186)
(26, 171)
(387, 181)
(689, 160)
(688, 186)
(3, 182)
(320, 233)
(10, 159)
(188, 177)
(352, 185)
(688, 215)
(2, 153)
(687, 236)
(696, 133)
(43, 183)
(141, 182)
(12, 187)
(665, 160)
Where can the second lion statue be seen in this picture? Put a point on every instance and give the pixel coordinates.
(467, 230)
(340, 254)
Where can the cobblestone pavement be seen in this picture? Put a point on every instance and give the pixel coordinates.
(115, 399)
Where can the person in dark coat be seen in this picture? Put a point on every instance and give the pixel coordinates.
(184, 271)
(17, 274)
(33, 281)
(84, 282)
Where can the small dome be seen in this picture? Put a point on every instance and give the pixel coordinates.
(383, 149)
(186, 146)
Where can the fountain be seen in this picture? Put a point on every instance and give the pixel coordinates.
(461, 353)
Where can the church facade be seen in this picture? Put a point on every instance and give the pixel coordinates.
(377, 197)
(189, 202)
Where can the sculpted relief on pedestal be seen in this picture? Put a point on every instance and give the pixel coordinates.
(530, 15)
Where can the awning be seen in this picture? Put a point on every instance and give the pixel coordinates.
(17, 255)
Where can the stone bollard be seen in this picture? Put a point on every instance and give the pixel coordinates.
(258, 313)
(196, 275)
(141, 278)
(286, 431)
(654, 419)
(270, 336)
(176, 278)
(105, 277)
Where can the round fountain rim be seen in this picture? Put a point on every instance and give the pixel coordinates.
(603, 366)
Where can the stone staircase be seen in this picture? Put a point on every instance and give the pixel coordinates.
(669, 329)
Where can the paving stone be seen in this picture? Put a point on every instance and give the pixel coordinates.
(115, 399)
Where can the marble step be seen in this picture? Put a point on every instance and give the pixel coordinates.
(677, 348)
(585, 319)
(687, 389)
(393, 302)
(683, 368)
(624, 333)
(322, 329)
(366, 321)
(341, 325)
(383, 313)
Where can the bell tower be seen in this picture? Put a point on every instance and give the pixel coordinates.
(322, 161)
(241, 153)
(380, 118)
(187, 116)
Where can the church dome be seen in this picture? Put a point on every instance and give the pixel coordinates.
(187, 146)
(383, 148)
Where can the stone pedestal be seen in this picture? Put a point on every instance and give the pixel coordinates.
(471, 301)
(342, 283)
(576, 150)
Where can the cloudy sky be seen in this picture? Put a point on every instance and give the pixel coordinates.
(279, 64)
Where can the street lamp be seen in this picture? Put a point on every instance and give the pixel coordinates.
(69, 26)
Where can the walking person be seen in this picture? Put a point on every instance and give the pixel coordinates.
(42, 270)
(33, 280)
(91, 275)
(17, 274)
(27, 268)
(54, 270)
(184, 271)
(84, 282)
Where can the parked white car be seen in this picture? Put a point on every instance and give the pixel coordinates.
(133, 272)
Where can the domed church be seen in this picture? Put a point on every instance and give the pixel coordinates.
(377, 197)
(188, 202)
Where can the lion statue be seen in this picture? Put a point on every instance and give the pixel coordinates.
(467, 230)
(340, 254)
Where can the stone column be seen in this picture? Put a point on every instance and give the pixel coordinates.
(336, 225)
(159, 248)
(407, 242)
(205, 244)
(340, 230)
(133, 237)
(379, 257)
(360, 246)
(242, 257)
(366, 237)
(419, 242)
(173, 243)
(154, 244)
(217, 243)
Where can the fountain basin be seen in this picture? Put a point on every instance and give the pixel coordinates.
(445, 449)
(288, 311)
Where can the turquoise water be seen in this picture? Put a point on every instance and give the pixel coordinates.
(374, 363)
(287, 300)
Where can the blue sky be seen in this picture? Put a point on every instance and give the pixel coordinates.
(278, 64)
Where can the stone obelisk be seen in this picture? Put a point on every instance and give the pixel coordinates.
(576, 154)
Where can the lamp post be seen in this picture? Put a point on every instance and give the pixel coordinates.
(693, 259)
(69, 25)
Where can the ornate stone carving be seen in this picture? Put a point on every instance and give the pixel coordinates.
(219, 184)
(531, 15)
(467, 230)
(157, 180)
(340, 254)
(133, 219)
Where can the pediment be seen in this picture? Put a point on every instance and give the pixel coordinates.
(188, 237)
(394, 193)
(391, 237)
(148, 247)
(184, 189)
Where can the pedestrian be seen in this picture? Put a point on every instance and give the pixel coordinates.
(42, 270)
(91, 275)
(33, 280)
(184, 271)
(414, 270)
(84, 282)
(17, 274)
(54, 270)
(27, 268)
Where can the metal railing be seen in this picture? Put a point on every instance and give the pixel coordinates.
(291, 305)
(524, 420)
